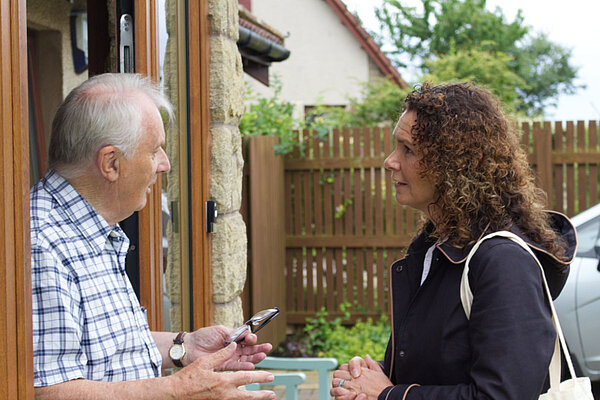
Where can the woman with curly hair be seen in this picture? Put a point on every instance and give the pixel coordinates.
(457, 159)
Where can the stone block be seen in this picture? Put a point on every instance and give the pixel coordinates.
(224, 18)
(226, 168)
(229, 257)
(226, 82)
(229, 314)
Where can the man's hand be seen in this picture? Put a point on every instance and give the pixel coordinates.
(198, 381)
(206, 341)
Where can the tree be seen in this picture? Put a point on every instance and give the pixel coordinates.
(381, 103)
(491, 71)
(546, 68)
(448, 31)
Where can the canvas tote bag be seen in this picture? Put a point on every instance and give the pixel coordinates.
(571, 389)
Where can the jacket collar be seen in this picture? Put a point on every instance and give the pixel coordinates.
(560, 223)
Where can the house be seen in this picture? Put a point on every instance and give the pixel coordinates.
(331, 53)
(47, 48)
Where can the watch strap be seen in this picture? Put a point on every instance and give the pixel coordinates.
(177, 363)
(179, 338)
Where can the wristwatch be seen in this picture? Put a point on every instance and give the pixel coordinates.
(177, 350)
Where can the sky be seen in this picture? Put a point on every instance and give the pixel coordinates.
(572, 24)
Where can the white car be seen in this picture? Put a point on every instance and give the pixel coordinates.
(578, 305)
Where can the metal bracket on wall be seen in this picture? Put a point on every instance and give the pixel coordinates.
(211, 215)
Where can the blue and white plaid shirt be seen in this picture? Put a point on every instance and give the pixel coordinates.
(87, 321)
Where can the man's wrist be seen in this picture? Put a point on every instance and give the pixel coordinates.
(177, 351)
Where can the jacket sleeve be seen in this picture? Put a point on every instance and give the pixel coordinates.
(511, 331)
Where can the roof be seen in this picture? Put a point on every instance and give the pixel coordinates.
(259, 44)
(255, 31)
(366, 41)
(250, 21)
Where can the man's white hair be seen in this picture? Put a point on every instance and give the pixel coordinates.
(103, 110)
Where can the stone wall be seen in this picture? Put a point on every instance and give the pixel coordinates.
(229, 260)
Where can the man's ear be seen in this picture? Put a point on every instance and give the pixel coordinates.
(107, 160)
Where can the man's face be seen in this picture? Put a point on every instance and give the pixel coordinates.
(138, 173)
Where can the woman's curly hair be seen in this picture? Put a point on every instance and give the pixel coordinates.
(482, 177)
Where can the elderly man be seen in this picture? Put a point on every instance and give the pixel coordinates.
(90, 334)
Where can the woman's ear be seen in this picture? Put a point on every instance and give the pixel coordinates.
(107, 160)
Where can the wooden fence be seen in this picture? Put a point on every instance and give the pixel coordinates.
(343, 227)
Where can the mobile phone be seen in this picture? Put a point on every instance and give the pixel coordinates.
(254, 324)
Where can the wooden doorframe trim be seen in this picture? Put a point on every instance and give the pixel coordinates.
(150, 217)
(150, 246)
(34, 98)
(16, 347)
(199, 147)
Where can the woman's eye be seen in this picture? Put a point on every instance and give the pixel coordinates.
(407, 150)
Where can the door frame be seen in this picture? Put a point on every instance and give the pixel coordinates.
(16, 349)
(199, 165)
(198, 123)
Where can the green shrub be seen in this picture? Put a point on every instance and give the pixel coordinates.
(271, 116)
(382, 103)
(325, 337)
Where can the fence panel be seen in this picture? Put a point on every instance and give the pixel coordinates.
(344, 228)
(343, 225)
(570, 157)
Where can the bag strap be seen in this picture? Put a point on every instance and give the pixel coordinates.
(466, 298)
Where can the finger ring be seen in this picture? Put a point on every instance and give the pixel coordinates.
(342, 382)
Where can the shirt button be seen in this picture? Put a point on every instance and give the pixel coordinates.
(399, 268)
(401, 354)
(112, 234)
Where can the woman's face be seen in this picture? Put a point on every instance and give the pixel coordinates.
(411, 188)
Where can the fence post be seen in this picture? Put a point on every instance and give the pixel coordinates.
(542, 143)
(266, 234)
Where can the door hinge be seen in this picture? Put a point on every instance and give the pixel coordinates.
(211, 215)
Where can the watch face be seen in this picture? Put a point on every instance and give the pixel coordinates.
(176, 352)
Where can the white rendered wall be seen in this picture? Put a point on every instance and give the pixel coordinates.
(326, 64)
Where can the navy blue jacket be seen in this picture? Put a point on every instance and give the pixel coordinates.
(504, 350)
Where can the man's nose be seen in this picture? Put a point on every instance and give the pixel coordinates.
(164, 165)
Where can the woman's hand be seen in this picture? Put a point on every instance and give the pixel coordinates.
(211, 339)
(361, 379)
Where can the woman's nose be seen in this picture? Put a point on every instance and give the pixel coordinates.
(390, 163)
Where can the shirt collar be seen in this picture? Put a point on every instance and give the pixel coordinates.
(92, 226)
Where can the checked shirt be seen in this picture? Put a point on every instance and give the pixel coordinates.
(87, 321)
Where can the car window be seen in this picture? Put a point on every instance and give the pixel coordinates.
(587, 235)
